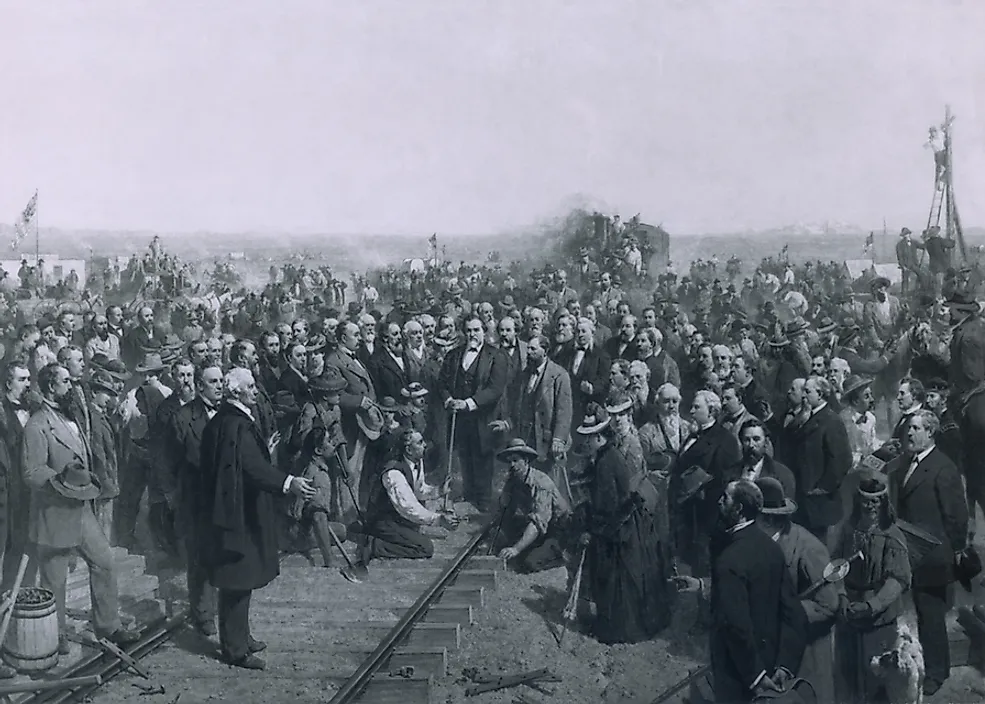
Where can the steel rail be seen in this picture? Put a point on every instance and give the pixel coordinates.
(108, 666)
(354, 686)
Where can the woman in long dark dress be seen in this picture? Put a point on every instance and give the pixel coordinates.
(627, 574)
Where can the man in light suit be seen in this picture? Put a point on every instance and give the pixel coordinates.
(539, 406)
(358, 396)
(56, 462)
(472, 383)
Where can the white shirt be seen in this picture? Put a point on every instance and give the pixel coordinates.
(468, 359)
(754, 472)
(406, 499)
(915, 462)
(398, 360)
(535, 377)
(579, 358)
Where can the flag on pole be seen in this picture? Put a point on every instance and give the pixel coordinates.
(23, 223)
(434, 240)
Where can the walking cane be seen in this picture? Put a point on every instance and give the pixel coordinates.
(446, 485)
(344, 466)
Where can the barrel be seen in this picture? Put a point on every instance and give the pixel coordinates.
(32, 638)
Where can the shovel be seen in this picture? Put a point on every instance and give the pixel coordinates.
(836, 571)
(352, 572)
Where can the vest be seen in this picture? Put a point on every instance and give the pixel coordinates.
(378, 505)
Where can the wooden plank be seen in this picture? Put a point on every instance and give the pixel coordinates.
(473, 596)
(477, 578)
(435, 635)
(425, 661)
(441, 613)
(960, 647)
(486, 562)
(383, 689)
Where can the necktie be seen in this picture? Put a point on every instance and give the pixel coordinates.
(914, 463)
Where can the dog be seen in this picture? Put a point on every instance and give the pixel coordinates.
(901, 669)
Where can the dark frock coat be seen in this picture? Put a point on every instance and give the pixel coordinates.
(239, 538)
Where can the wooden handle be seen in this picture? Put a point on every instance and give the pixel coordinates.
(9, 606)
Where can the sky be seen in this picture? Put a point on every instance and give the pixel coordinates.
(484, 116)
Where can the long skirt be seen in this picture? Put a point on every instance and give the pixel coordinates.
(628, 575)
(855, 648)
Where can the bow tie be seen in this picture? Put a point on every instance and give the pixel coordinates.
(860, 420)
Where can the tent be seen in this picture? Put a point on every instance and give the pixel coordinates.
(414, 265)
(858, 267)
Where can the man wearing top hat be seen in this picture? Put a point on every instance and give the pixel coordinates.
(57, 461)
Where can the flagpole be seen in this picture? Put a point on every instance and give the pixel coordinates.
(37, 236)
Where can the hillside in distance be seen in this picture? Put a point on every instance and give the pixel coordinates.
(356, 253)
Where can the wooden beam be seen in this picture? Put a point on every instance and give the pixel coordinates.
(383, 689)
(477, 578)
(425, 661)
(424, 634)
(441, 613)
(473, 596)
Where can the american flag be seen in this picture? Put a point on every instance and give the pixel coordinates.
(870, 242)
(23, 223)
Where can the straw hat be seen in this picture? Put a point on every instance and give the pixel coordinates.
(516, 446)
(619, 406)
(370, 421)
(593, 424)
(414, 390)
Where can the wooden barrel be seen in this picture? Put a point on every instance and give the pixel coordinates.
(32, 639)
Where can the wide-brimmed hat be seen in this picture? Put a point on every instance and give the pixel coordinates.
(905, 231)
(779, 341)
(592, 424)
(854, 383)
(880, 282)
(516, 446)
(330, 381)
(962, 301)
(415, 389)
(775, 501)
(370, 421)
(849, 331)
(826, 325)
(76, 482)
(388, 405)
(618, 406)
(795, 327)
(151, 362)
(102, 382)
(693, 479)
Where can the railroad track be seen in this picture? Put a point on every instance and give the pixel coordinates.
(408, 654)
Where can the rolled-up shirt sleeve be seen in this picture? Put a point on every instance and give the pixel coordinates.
(404, 500)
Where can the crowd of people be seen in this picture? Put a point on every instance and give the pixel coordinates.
(713, 434)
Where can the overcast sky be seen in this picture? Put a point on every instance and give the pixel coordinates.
(410, 116)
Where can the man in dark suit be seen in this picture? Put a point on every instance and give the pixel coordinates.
(140, 339)
(184, 444)
(388, 366)
(759, 630)
(926, 490)
(514, 349)
(756, 463)
(906, 257)
(588, 367)
(239, 544)
(472, 383)
(823, 456)
(623, 345)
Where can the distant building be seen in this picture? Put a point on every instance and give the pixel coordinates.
(55, 268)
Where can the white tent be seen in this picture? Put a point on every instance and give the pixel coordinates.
(858, 267)
(414, 265)
(890, 271)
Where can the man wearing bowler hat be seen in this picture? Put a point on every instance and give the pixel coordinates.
(806, 558)
(56, 462)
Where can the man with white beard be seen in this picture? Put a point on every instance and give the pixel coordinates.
(640, 392)
(102, 340)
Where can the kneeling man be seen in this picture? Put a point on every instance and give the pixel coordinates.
(534, 530)
(395, 510)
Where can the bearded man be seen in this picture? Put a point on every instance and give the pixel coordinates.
(102, 340)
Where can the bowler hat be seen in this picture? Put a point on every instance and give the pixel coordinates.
(76, 483)
(388, 404)
(775, 500)
(152, 362)
(516, 446)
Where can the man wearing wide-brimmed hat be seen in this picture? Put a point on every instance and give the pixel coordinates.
(806, 558)
(535, 519)
(57, 461)
(627, 567)
(908, 260)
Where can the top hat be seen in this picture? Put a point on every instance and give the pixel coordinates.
(775, 501)
(516, 447)
(76, 483)
(693, 479)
